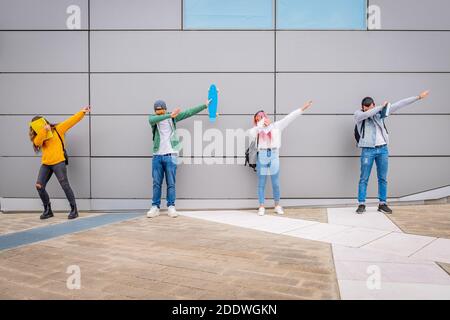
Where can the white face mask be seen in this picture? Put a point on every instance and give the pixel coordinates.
(263, 128)
(260, 123)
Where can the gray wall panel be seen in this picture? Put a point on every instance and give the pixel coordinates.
(19, 178)
(135, 93)
(414, 15)
(18, 143)
(323, 135)
(121, 178)
(419, 135)
(43, 51)
(338, 177)
(314, 178)
(135, 137)
(182, 51)
(45, 72)
(343, 92)
(132, 136)
(193, 181)
(363, 51)
(39, 14)
(43, 93)
(333, 136)
(136, 14)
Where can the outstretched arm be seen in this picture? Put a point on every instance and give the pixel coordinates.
(154, 119)
(406, 102)
(192, 111)
(73, 120)
(283, 123)
(40, 137)
(363, 115)
(253, 132)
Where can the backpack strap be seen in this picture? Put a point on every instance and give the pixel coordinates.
(363, 128)
(62, 143)
(384, 124)
(154, 131)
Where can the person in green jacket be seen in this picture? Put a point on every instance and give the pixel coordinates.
(166, 146)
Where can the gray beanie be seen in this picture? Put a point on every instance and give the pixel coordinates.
(160, 104)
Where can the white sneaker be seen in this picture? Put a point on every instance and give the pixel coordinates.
(172, 212)
(153, 212)
(261, 211)
(279, 210)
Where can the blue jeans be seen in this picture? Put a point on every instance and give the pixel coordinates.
(268, 164)
(164, 165)
(381, 157)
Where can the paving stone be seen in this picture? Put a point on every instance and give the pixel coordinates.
(425, 220)
(161, 258)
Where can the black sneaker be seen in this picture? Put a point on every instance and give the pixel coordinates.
(361, 209)
(384, 208)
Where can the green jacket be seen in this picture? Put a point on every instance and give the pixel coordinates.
(154, 119)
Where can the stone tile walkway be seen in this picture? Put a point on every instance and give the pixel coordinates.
(406, 263)
(167, 258)
(306, 254)
(14, 222)
(429, 220)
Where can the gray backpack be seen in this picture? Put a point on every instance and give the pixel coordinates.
(251, 154)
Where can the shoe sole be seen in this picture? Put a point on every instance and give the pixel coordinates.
(384, 211)
(45, 218)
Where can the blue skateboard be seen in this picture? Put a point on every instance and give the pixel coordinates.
(212, 109)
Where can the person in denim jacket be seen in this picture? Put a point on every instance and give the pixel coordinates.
(374, 140)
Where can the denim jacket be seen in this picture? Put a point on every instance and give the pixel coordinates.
(375, 117)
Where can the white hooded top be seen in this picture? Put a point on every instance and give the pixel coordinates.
(275, 128)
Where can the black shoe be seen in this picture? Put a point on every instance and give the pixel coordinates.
(73, 212)
(361, 209)
(48, 213)
(384, 208)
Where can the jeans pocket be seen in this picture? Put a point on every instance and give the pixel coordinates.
(174, 160)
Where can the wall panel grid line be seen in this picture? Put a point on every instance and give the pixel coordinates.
(224, 72)
(221, 30)
(89, 98)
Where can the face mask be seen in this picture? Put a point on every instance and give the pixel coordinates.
(260, 123)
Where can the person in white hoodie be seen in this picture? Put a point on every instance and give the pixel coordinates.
(268, 140)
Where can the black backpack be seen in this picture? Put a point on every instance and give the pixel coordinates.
(155, 126)
(251, 154)
(356, 132)
(363, 129)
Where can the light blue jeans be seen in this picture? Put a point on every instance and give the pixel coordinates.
(268, 164)
(381, 157)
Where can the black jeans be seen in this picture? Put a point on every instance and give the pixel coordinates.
(60, 171)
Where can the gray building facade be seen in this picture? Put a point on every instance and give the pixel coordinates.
(124, 55)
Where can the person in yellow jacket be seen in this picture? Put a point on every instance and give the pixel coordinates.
(54, 159)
